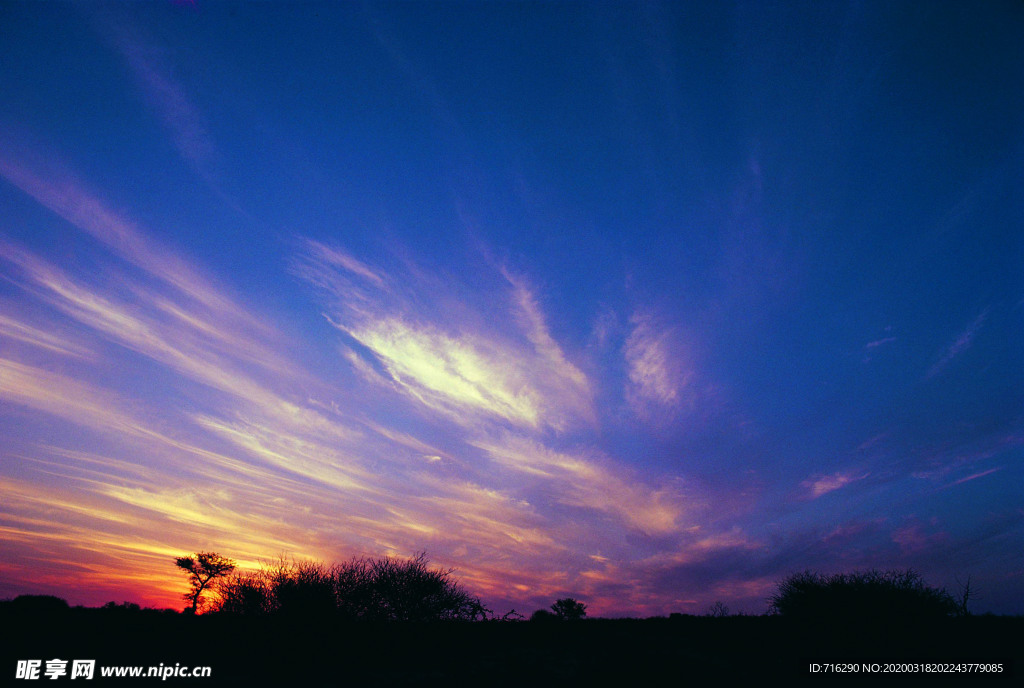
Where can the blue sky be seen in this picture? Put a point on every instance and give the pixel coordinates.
(646, 304)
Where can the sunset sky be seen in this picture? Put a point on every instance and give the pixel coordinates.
(649, 305)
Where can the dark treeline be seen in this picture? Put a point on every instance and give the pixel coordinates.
(401, 622)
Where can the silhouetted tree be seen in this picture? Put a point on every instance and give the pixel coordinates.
(203, 569)
(568, 609)
(867, 595)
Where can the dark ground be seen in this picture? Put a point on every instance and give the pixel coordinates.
(660, 651)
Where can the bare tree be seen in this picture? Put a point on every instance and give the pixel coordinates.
(718, 610)
(965, 594)
(203, 569)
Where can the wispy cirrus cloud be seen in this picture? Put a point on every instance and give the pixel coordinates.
(820, 485)
(659, 376)
(55, 187)
(176, 335)
(178, 113)
(880, 342)
(474, 367)
(150, 65)
(26, 333)
(590, 482)
(959, 345)
(975, 476)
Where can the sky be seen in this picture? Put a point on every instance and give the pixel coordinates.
(646, 304)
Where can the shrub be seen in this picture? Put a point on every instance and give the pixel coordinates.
(364, 589)
(867, 595)
(246, 593)
(36, 604)
(410, 591)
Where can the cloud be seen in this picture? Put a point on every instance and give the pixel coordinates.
(578, 480)
(57, 189)
(658, 375)
(467, 364)
(454, 374)
(178, 113)
(60, 396)
(879, 342)
(335, 257)
(166, 95)
(820, 485)
(975, 476)
(700, 568)
(550, 353)
(912, 539)
(940, 461)
(27, 334)
(959, 345)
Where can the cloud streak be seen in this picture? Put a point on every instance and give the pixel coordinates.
(821, 485)
(56, 188)
(959, 345)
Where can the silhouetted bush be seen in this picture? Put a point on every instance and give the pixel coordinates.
(543, 616)
(36, 604)
(246, 593)
(867, 596)
(303, 589)
(360, 589)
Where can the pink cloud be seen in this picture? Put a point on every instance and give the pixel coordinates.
(659, 375)
(912, 539)
(975, 476)
(822, 485)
